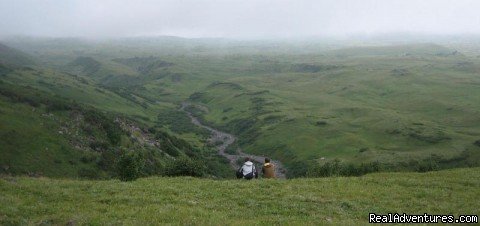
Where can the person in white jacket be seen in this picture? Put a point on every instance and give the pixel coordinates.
(248, 170)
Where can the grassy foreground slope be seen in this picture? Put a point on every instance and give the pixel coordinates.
(202, 201)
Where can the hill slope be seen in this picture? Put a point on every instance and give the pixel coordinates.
(201, 201)
(14, 57)
(399, 105)
(64, 125)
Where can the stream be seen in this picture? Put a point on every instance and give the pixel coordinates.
(224, 139)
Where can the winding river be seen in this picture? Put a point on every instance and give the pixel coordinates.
(224, 139)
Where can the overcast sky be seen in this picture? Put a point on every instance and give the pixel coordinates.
(237, 18)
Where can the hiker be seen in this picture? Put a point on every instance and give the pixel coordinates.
(248, 170)
(268, 169)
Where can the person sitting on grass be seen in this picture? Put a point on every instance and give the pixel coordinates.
(248, 170)
(268, 169)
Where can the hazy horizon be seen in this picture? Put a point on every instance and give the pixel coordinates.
(246, 19)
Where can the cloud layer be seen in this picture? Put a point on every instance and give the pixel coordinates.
(237, 18)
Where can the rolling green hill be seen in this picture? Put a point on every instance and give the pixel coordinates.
(66, 125)
(412, 106)
(376, 104)
(185, 200)
(10, 56)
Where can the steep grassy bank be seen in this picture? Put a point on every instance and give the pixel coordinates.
(202, 201)
(59, 124)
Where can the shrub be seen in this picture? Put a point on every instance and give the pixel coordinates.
(429, 164)
(298, 169)
(128, 167)
(112, 130)
(477, 143)
(58, 105)
(337, 168)
(88, 157)
(98, 145)
(326, 170)
(184, 166)
(107, 160)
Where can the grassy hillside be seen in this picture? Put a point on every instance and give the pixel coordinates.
(391, 104)
(53, 136)
(66, 125)
(399, 105)
(12, 56)
(187, 200)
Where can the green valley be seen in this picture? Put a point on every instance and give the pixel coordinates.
(406, 107)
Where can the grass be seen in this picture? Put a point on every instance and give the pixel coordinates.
(187, 200)
(430, 109)
(31, 142)
(80, 89)
(49, 128)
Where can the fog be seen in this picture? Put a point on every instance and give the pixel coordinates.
(237, 18)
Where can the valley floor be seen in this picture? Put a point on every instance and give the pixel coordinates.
(185, 200)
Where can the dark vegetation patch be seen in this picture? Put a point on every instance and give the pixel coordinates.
(431, 163)
(312, 68)
(477, 143)
(228, 85)
(27, 68)
(144, 65)
(393, 131)
(271, 119)
(258, 104)
(87, 65)
(185, 167)
(422, 133)
(429, 138)
(129, 81)
(258, 92)
(120, 81)
(361, 150)
(246, 129)
(196, 111)
(448, 53)
(176, 77)
(179, 122)
(78, 78)
(321, 123)
(105, 123)
(399, 72)
(129, 95)
(197, 96)
(337, 168)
